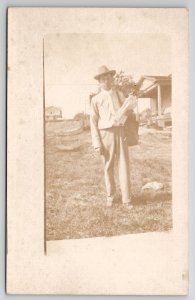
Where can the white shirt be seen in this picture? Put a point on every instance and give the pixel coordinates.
(103, 111)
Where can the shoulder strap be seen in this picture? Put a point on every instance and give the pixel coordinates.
(119, 98)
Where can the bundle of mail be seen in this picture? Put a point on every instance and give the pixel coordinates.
(121, 115)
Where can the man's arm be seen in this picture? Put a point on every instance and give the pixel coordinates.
(126, 109)
(94, 116)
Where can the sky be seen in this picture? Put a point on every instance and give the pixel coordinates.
(72, 61)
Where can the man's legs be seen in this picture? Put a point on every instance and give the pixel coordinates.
(108, 143)
(123, 166)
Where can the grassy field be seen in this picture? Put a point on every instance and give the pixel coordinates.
(75, 201)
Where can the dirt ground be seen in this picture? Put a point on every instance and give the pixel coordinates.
(75, 190)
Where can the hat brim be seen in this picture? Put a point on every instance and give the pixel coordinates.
(112, 72)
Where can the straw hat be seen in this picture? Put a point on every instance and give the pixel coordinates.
(103, 70)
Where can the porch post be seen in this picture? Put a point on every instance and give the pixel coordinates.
(137, 110)
(159, 99)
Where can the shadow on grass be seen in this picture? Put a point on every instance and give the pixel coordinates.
(151, 197)
(145, 198)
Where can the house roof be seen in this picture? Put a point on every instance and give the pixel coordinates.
(53, 110)
(152, 80)
(53, 107)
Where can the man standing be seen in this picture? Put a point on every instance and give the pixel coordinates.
(108, 136)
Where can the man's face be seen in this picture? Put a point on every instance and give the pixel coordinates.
(105, 81)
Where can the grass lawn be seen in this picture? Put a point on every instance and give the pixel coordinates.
(75, 189)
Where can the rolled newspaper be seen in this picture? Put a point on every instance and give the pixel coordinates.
(121, 116)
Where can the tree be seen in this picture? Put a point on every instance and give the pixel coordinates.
(79, 116)
(83, 119)
(125, 83)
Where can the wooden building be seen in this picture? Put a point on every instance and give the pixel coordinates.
(158, 90)
(53, 113)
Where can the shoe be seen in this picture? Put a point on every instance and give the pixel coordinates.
(110, 201)
(109, 204)
(128, 205)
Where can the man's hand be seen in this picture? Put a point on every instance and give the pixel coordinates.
(132, 101)
(99, 150)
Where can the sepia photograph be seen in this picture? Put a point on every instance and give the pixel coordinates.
(97, 173)
(108, 128)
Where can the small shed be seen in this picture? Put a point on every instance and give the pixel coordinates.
(53, 113)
